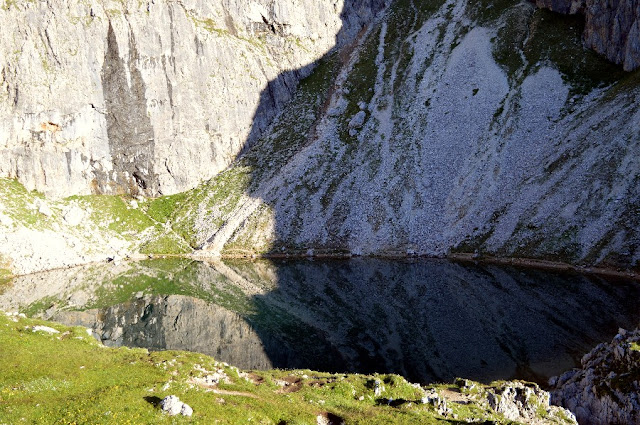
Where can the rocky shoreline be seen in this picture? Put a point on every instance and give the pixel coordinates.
(529, 263)
(606, 390)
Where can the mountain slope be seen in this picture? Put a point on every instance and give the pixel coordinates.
(433, 128)
(453, 126)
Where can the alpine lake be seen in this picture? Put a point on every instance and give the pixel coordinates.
(427, 320)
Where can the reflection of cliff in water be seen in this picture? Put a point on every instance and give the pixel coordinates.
(435, 320)
(175, 322)
(426, 320)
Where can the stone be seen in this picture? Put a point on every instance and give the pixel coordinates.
(378, 388)
(5, 220)
(439, 403)
(47, 329)
(520, 401)
(358, 120)
(595, 393)
(173, 406)
(186, 410)
(74, 215)
(44, 208)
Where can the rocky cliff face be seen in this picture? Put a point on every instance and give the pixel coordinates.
(611, 28)
(444, 127)
(151, 97)
(453, 127)
(606, 389)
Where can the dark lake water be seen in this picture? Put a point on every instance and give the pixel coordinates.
(427, 320)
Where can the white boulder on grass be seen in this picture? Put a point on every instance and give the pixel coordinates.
(173, 406)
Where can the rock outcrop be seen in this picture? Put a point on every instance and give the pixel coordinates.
(480, 134)
(612, 28)
(172, 406)
(449, 127)
(606, 390)
(151, 97)
(523, 402)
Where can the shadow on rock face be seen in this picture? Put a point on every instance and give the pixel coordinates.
(425, 320)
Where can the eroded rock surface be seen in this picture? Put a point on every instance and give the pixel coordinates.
(606, 390)
(151, 97)
(518, 401)
(480, 135)
(611, 28)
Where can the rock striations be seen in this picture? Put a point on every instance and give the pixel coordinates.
(151, 97)
(450, 128)
(421, 128)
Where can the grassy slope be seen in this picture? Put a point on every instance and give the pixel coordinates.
(106, 217)
(70, 378)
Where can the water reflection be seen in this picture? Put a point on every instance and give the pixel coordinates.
(426, 320)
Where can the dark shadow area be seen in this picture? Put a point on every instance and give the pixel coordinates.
(432, 321)
(153, 400)
(427, 320)
(356, 14)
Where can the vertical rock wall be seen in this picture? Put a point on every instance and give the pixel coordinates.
(612, 28)
(151, 97)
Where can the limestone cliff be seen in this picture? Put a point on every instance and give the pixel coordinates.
(453, 127)
(437, 128)
(606, 389)
(611, 28)
(151, 97)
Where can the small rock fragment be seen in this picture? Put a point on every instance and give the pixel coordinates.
(74, 216)
(46, 329)
(358, 120)
(43, 208)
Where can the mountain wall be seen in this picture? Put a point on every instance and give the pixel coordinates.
(612, 28)
(151, 97)
(439, 128)
(453, 127)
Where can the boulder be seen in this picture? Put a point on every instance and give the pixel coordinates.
(173, 406)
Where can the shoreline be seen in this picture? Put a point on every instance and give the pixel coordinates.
(528, 263)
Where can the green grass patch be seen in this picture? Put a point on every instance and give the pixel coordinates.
(212, 202)
(20, 204)
(168, 276)
(291, 130)
(557, 39)
(116, 213)
(5, 272)
(165, 243)
(162, 209)
(487, 12)
(68, 377)
(508, 45)
(360, 82)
